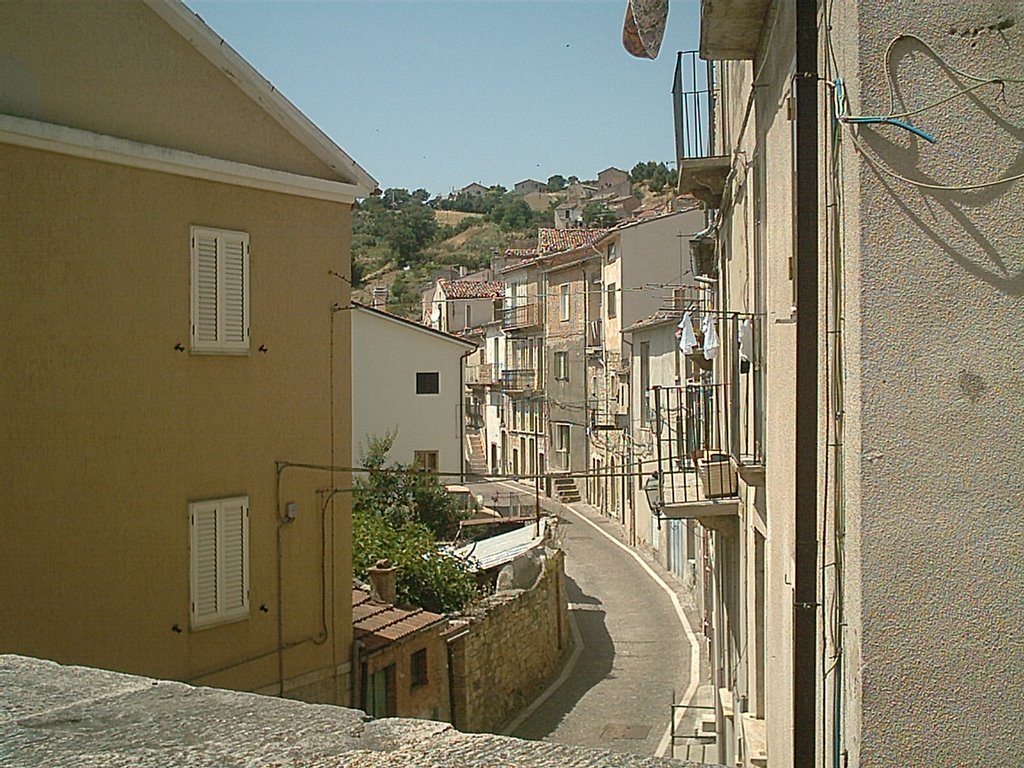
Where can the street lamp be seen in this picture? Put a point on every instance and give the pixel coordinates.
(655, 500)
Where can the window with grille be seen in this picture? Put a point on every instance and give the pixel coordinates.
(220, 291)
(219, 560)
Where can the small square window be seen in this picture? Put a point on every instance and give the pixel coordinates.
(427, 383)
(425, 460)
(418, 668)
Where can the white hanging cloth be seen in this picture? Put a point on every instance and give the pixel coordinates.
(745, 337)
(710, 337)
(687, 341)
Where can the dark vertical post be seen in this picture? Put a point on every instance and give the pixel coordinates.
(805, 609)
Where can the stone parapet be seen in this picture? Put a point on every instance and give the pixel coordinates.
(56, 715)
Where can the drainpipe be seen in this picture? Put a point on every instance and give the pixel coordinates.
(805, 214)
(462, 414)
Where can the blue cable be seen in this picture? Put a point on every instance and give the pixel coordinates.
(876, 120)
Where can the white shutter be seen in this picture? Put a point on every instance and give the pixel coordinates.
(204, 288)
(220, 560)
(204, 562)
(234, 561)
(235, 291)
(220, 291)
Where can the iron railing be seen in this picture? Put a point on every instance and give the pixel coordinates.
(518, 379)
(481, 374)
(521, 316)
(695, 94)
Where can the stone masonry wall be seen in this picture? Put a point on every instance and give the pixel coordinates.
(514, 645)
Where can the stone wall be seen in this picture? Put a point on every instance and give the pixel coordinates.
(54, 715)
(512, 645)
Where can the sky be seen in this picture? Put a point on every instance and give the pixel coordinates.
(435, 94)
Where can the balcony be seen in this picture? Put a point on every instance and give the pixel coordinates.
(521, 316)
(731, 29)
(480, 375)
(695, 94)
(710, 436)
(518, 379)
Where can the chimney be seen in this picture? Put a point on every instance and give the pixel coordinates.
(379, 298)
(382, 581)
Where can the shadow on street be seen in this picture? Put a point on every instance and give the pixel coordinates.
(593, 666)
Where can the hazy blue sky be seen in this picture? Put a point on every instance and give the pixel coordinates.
(436, 94)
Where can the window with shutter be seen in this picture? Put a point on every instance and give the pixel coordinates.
(220, 291)
(220, 560)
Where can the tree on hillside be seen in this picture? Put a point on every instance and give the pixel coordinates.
(596, 215)
(656, 176)
(556, 183)
(512, 213)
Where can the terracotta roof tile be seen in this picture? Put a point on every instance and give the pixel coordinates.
(378, 624)
(472, 289)
(557, 240)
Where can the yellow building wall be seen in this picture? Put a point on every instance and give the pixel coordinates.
(110, 431)
(116, 68)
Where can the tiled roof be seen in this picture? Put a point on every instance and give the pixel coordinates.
(472, 289)
(378, 624)
(557, 240)
(660, 317)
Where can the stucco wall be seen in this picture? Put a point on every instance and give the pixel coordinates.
(386, 356)
(111, 431)
(119, 69)
(936, 405)
(515, 644)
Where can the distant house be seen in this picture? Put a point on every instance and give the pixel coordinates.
(623, 205)
(578, 191)
(538, 201)
(170, 228)
(406, 377)
(529, 185)
(569, 215)
(474, 188)
(453, 306)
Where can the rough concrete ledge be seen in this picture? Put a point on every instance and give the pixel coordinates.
(57, 715)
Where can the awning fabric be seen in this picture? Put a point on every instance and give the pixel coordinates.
(644, 27)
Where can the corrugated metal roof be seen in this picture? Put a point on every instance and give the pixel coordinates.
(504, 548)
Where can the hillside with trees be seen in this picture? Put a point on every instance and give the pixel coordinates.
(400, 237)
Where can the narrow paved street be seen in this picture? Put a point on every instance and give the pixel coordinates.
(633, 649)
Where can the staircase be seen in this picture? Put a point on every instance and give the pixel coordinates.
(565, 489)
(476, 456)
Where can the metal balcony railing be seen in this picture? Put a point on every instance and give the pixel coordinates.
(474, 415)
(695, 99)
(743, 355)
(692, 438)
(481, 374)
(518, 379)
(695, 94)
(521, 316)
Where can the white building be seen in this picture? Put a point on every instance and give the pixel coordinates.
(407, 378)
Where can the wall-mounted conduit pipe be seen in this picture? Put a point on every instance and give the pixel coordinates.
(805, 218)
